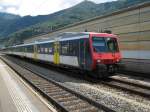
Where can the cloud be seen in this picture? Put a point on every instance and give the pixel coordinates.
(5, 5)
(44, 6)
(37, 7)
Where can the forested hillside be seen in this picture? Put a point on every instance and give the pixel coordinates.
(17, 28)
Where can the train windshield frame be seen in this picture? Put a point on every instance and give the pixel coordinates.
(104, 44)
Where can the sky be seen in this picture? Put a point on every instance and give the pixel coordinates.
(38, 7)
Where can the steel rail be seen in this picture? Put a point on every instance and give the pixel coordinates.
(126, 85)
(51, 94)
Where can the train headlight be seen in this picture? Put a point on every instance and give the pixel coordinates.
(117, 60)
(98, 61)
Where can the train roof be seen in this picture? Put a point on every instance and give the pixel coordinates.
(79, 35)
(61, 37)
(65, 36)
(72, 36)
(33, 43)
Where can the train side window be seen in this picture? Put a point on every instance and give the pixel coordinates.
(41, 50)
(38, 48)
(72, 48)
(46, 47)
(50, 50)
(27, 48)
(30, 49)
(64, 48)
(46, 50)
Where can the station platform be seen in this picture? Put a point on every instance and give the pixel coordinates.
(17, 96)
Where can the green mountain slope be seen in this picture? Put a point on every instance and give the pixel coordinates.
(24, 27)
(5, 20)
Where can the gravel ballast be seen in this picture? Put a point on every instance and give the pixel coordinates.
(116, 99)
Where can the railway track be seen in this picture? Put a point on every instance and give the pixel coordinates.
(115, 82)
(128, 85)
(63, 98)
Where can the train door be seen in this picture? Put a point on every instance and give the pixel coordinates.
(88, 55)
(56, 53)
(82, 53)
(35, 52)
(25, 51)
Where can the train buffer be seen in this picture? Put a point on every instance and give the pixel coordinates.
(17, 96)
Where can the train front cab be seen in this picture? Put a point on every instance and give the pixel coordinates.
(105, 54)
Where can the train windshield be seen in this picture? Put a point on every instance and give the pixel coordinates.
(104, 44)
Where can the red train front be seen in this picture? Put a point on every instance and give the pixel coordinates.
(105, 53)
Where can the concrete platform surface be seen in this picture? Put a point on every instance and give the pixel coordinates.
(17, 96)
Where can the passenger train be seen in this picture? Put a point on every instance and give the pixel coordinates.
(94, 53)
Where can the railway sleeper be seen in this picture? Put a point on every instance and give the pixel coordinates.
(89, 109)
(71, 102)
(55, 93)
(55, 90)
(77, 106)
(67, 99)
(61, 95)
(48, 88)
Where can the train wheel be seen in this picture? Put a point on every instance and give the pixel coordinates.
(101, 71)
(101, 74)
(112, 69)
